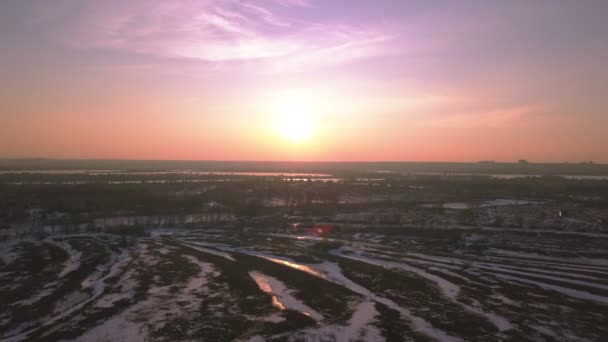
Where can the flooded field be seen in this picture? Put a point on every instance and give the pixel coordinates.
(223, 285)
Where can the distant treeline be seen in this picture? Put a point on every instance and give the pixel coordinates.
(335, 168)
(244, 196)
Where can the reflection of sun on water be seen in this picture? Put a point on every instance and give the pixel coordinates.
(277, 303)
(296, 266)
(264, 285)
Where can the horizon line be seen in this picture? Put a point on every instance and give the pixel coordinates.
(586, 162)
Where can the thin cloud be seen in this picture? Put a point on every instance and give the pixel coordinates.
(218, 31)
(492, 118)
(300, 3)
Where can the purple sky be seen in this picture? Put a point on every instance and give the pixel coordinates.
(376, 80)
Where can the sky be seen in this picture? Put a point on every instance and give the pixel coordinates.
(343, 80)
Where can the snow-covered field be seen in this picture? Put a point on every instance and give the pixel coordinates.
(367, 286)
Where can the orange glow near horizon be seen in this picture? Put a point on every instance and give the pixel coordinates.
(308, 80)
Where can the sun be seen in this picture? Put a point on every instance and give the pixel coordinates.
(295, 127)
(295, 119)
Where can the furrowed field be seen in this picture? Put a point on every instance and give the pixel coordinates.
(369, 285)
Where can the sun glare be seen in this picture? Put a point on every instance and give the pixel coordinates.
(295, 128)
(295, 119)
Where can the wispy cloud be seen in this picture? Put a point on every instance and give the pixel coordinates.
(301, 3)
(500, 117)
(219, 31)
